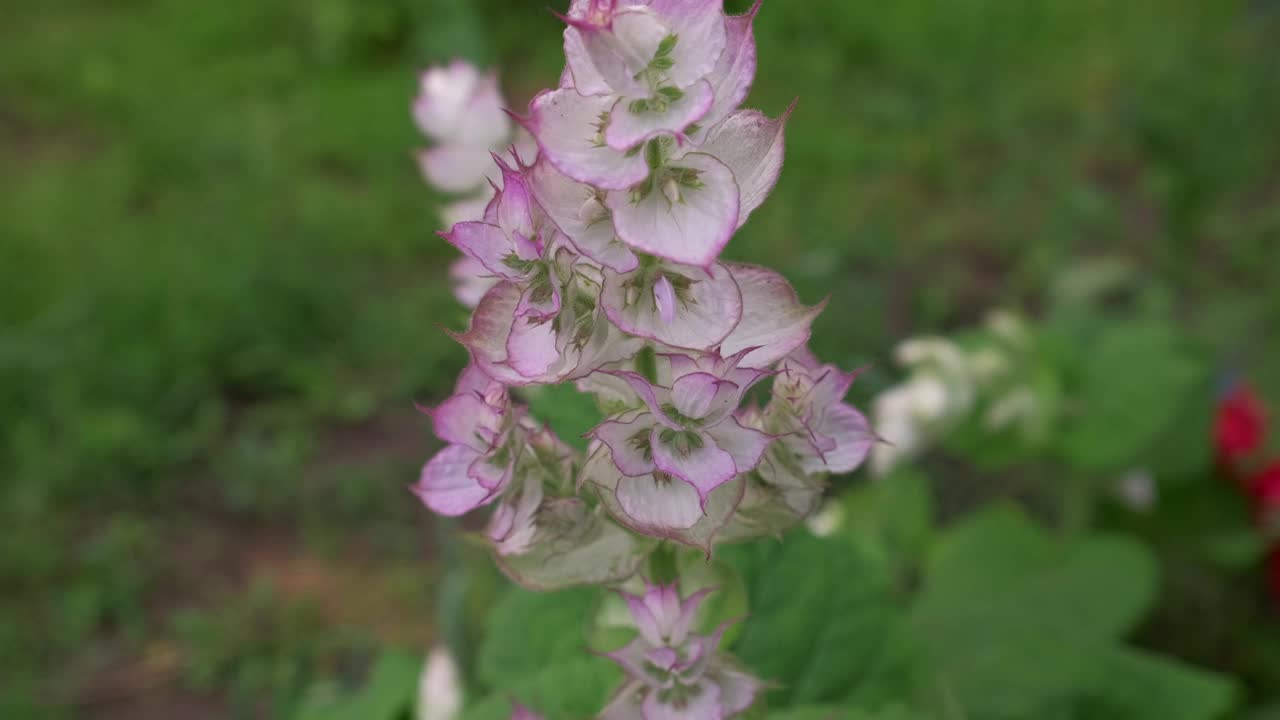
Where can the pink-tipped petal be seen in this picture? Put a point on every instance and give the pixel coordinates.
(567, 125)
(738, 690)
(744, 444)
(666, 504)
(646, 623)
(853, 438)
(703, 318)
(752, 145)
(629, 127)
(455, 168)
(654, 396)
(773, 319)
(470, 280)
(700, 395)
(622, 50)
(699, 26)
(630, 453)
(466, 419)
(686, 223)
(679, 630)
(532, 350)
(700, 463)
(734, 72)
(702, 704)
(488, 244)
(580, 215)
(446, 485)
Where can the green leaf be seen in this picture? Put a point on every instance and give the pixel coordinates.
(1021, 625)
(529, 631)
(823, 623)
(1135, 379)
(569, 690)
(891, 520)
(827, 712)
(387, 695)
(569, 412)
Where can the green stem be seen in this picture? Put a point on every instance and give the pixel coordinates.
(662, 565)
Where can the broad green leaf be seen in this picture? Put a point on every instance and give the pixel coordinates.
(574, 689)
(387, 695)
(998, 573)
(1133, 685)
(823, 622)
(527, 632)
(569, 413)
(1135, 379)
(891, 519)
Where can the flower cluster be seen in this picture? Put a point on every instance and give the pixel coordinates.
(594, 259)
(673, 672)
(947, 382)
(1240, 431)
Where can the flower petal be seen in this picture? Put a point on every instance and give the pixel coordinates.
(701, 463)
(456, 104)
(654, 396)
(738, 690)
(532, 347)
(566, 126)
(686, 223)
(470, 280)
(705, 313)
(702, 704)
(446, 485)
(621, 49)
(853, 437)
(699, 26)
(773, 319)
(488, 244)
(581, 216)
(734, 72)
(744, 444)
(466, 419)
(658, 509)
(620, 437)
(752, 146)
(455, 168)
(701, 395)
(630, 126)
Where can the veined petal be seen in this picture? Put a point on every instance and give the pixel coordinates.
(658, 508)
(701, 395)
(514, 204)
(853, 437)
(664, 298)
(700, 462)
(630, 453)
(490, 329)
(744, 444)
(580, 71)
(455, 168)
(488, 244)
(738, 690)
(703, 703)
(752, 146)
(622, 48)
(470, 280)
(654, 396)
(568, 126)
(629, 126)
(466, 419)
(532, 347)
(734, 72)
(700, 27)
(581, 216)
(686, 222)
(446, 485)
(706, 311)
(773, 319)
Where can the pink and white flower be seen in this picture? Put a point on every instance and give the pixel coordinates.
(673, 673)
(477, 464)
(823, 433)
(683, 443)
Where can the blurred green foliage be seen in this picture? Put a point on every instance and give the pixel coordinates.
(219, 288)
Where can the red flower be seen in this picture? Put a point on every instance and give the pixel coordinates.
(1240, 425)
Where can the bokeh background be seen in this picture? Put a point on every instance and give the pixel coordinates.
(220, 291)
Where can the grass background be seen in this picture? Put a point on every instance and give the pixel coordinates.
(220, 289)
